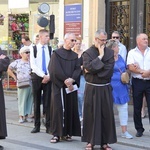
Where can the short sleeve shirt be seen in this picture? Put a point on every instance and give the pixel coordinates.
(21, 68)
(136, 57)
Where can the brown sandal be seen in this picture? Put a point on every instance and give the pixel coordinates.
(89, 147)
(54, 139)
(68, 138)
(106, 147)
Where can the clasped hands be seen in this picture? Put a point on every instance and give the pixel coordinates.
(46, 78)
(69, 83)
(144, 73)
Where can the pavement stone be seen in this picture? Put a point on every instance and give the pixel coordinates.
(140, 143)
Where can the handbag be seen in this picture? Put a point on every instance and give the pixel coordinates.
(23, 83)
(124, 76)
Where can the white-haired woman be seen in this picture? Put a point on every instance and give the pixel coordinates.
(120, 90)
(20, 71)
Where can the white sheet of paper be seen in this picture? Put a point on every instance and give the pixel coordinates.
(75, 87)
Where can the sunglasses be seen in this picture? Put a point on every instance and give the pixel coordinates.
(27, 52)
(72, 40)
(115, 37)
(103, 40)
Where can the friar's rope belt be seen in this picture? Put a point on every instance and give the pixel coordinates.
(97, 84)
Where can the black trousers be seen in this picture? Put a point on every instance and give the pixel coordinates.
(140, 87)
(38, 87)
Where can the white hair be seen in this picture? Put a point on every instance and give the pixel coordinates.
(67, 35)
(24, 49)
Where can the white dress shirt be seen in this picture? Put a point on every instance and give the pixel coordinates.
(136, 57)
(36, 63)
(122, 51)
(31, 45)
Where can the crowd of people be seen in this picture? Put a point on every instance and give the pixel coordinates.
(79, 87)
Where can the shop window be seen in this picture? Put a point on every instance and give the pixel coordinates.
(18, 26)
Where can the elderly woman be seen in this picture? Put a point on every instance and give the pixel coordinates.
(120, 90)
(22, 70)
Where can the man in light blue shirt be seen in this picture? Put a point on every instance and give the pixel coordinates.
(122, 48)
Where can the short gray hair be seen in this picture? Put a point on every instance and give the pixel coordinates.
(111, 44)
(116, 32)
(98, 32)
(68, 34)
(140, 35)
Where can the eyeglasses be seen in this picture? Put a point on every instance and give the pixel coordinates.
(103, 40)
(27, 52)
(72, 40)
(115, 37)
(78, 43)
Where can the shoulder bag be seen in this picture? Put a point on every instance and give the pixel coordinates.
(23, 83)
(124, 76)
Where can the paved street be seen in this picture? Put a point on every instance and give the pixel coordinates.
(20, 138)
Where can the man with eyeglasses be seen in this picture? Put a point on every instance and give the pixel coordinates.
(65, 73)
(122, 49)
(98, 117)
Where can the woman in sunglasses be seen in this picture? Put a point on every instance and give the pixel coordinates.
(20, 71)
(120, 90)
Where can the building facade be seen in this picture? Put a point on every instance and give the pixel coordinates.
(129, 17)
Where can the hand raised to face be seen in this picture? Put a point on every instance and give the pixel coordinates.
(101, 50)
(2, 56)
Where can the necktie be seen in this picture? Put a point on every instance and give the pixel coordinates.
(43, 61)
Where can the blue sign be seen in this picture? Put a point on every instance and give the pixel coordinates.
(73, 13)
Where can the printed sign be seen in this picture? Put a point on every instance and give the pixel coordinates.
(73, 19)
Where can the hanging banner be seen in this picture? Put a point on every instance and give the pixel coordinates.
(73, 19)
